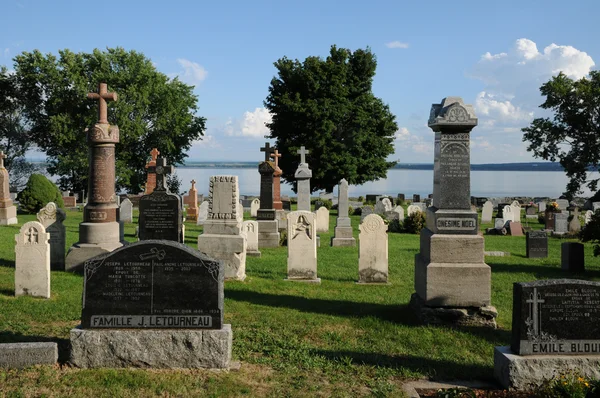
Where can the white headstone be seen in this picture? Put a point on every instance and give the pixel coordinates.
(508, 214)
(588, 217)
(32, 261)
(400, 211)
(412, 209)
(499, 223)
(254, 206)
(52, 217)
(516, 211)
(250, 229)
(383, 205)
(302, 246)
(486, 213)
(562, 204)
(202, 213)
(126, 211)
(541, 207)
(373, 250)
(240, 210)
(322, 219)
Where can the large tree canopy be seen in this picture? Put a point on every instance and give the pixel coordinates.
(14, 137)
(572, 136)
(152, 111)
(328, 107)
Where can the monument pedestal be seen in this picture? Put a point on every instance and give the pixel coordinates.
(230, 249)
(152, 348)
(343, 233)
(94, 239)
(268, 233)
(8, 215)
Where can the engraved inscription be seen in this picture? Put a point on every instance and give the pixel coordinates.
(466, 224)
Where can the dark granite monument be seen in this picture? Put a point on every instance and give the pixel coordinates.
(536, 244)
(555, 327)
(161, 211)
(572, 257)
(416, 198)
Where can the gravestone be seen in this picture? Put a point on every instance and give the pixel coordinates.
(223, 238)
(365, 211)
(561, 224)
(156, 304)
(343, 227)
(70, 201)
(516, 207)
(250, 230)
(302, 247)
(100, 231)
(536, 243)
(571, 257)
(32, 261)
(161, 212)
(277, 204)
(499, 223)
(531, 211)
(575, 224)
(549, 219)
(563, 204)
(246, 203)
(400, 211)
(541, 207)
(151, 174)
(410, 210)
(515, 228)
(373, 250)
(422, 205)
(192, 202)
(508, 213)
(486, 213)
(416, 198)
(268, 227)
(322, 215)
(452, 280)
(52, 217)
(303, 175)
(287, 204)
(126, 211)
(24, 355)
(202, 213)
(401, 198)
(555, 328)
(501, 207)
(254, 206)
(588, 216)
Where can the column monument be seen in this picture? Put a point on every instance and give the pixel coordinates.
(268, 227)
(303, 175)
(8, 211)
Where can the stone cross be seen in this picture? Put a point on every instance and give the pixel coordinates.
(267, 150)
(535, 300)
(302, 152)
(154, 154)
(276, 155)
(102, 96)
(161, 170)
(193, 188)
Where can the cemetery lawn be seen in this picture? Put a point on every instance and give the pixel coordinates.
(335, 339)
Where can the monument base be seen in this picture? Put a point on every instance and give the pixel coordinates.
(315, 280)
(268, 233)
(230, 249)
(151, 348)
(453, 316)
(253, 253)
(343, 237)
(8, 215)
(521, 372)
(281, 217)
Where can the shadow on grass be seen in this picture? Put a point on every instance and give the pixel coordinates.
(7, 263)
(398, 314)
(543, 271)
(64, 345)
(440, 369)
(7, 292)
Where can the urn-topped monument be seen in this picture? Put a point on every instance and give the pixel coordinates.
(452, 281)
(99, 231)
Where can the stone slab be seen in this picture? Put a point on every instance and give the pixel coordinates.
(22, 355)
(521, 372)
(151, 348)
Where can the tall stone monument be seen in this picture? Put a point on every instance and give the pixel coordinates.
(277, 204)
(99, 231)
(223, 238)
(151, 175)
(192, 201)
(8, 211)
(303, 175)
(452, 281)
(268, 228)
(343, 227)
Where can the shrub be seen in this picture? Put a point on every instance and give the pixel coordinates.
(591, 232)
(37, 193)
(350, 211)
(414, 223)
(327, 203)
(570, 385)
(358, 211)
(361, 199)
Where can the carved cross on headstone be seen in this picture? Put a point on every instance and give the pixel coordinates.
(2, 157)
(102, 96)
(302, 152)
(276, 155)
(535, 301)
(161, 170)
(267, 150)
(31, 235)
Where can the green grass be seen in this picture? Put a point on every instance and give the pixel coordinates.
(293, 339)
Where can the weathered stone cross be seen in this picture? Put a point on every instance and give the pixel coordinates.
(267, 150)
(31, 235)
(161, 170)
(302, 152)
(276, 155)
(2, 157)
(102, 96)
(193, 188)
(154, 154)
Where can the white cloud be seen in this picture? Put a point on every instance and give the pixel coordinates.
(402, 134)
(193, 73)
(207, 141)
(501, 111)
(412, 143)
(396, 44)
(252, 124)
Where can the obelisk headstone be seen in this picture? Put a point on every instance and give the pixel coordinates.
(277, 204)
(343, 227)
(450, 272)
(303, 175)
(52, 217)
(268, 228)
(8, 211)
(192, 202)
(99, 231)
(151, 175)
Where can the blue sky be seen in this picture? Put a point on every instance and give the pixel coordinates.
(493, 54)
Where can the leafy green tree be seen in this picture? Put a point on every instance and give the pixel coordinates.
(152, 111)
(14, 138)
(327, 105)
(19, 172)
(572, 136)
